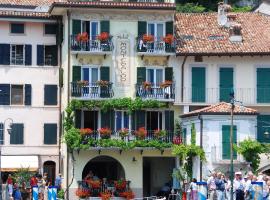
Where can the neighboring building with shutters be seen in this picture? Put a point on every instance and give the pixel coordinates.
(212, 125)
(214, 61)
(112, 50)
(29, 91)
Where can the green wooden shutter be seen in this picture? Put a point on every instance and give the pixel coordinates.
(50, 133)
(54, 55)
(263, 85)
(198, 84)
(168, 73)
(105, 26)
(16, 136)
(76, 26)
(5, 94)
(76, 76)
(78, 118)
(4, 54)
(142, 27)
(61, 77)
(28, 54)
(107, 119)
(262, 126)
(141, 74)
(40, 55)
(169, 27)
(1, 133)
(27, 94)
(226, 149)
(50, 94)
(140, 119)
(225, 83)
(105, 76)
(59, 34)
(169, 120)
(184, 135)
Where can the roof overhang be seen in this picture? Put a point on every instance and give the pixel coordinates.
(216, 113)
(225, 54)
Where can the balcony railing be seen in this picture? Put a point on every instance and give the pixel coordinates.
(91, 90)
(156, 91)
(132, 136)
(157, 46)
(214, 95)
(91, 45)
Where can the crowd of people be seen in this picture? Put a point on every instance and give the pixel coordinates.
(219, 187)
(16, 192)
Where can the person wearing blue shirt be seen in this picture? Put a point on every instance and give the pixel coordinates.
(220, 186)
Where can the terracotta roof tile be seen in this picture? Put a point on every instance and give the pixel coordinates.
(26, 2)
(201, 34)
(115, 4)
(222, 108)
(11, 13)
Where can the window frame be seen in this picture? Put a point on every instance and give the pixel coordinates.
(155, 73)
(122, 121)
(10, 28)
(90, 72)
(57, 95)
(56, 136)
(44, 56)
(90, 27)
(10, 58)
(23, 138)
(44, 29)
(155, 29)
(23, 95)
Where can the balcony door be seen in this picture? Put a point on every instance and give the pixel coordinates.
(122, 119)
(153, 120)
(157, 30)
(155, 76)
(92, 29)
(91, 75)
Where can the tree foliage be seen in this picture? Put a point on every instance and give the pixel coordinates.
(190, 8)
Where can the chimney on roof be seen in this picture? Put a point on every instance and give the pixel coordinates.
(222, 13)
(235, 33)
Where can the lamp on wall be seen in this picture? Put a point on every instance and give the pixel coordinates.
(134, 159)
(266, 134)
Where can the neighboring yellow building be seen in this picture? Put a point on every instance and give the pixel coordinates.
(116, 50)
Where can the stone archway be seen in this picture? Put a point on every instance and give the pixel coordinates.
(104, 167)
(49, 168)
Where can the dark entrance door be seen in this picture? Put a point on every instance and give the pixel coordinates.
(49, 168)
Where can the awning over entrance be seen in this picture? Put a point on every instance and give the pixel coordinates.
(13, 163)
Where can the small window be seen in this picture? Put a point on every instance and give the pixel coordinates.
(17, 28)
(50, 55)
(1, 133)
(50, 133)
(50, 95)
(16, 94)
(50, 29)
(17, 55)
(17, 134)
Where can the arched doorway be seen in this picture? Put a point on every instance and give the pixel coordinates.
(49, 168)
(104, 167)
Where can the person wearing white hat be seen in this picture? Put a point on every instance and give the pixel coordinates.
(248, 187)
(239, 186)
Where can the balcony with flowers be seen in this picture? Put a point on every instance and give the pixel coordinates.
(164, 91)
(85, 90)
(154, 46)
(82, 43)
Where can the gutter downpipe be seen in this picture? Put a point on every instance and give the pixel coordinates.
(182, 78)
(68, 99)
(201, 142)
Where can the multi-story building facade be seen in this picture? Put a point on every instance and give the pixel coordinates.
(29, 92)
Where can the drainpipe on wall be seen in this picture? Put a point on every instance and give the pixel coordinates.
(182, 78)
(201, 142)
(68, 100)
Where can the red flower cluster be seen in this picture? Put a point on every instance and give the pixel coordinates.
(177, 140)
(120, 184)
(86, 131)
(141, 133)
(105, 195)
(105, 132)
(128, 195)
(103, 37)
(168, 39)
(148, 38)
(94, 184)
(82, 37)
(83, 193)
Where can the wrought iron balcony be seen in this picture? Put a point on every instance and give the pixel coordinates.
(91, 90)
(154, 46)
(90, 45)
(161, 91)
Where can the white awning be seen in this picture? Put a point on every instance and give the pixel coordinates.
(13, 163)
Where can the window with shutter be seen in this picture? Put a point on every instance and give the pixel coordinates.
(28, 54)
(4, 94)
(51, 55)
(105, 26)
(142, 28)
(226, 149)
(17, 55)
(50, 133)
(1, 133)
(17, 134)
(4, 54)
(50, 95)
(76, 27)
(263, 122)
(263, 85)
(198, 84)
(17, 28)
(17, 95)
(50, 29)
(225, 83)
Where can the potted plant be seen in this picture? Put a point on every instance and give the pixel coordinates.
(147, 85)
(105, 195)
(82, 83)
(141, 133)
(168, 39)
(82, 37)
(148, 38)
(103, 37)
(123, 132)
(165, 84)
(102, 83)
(159, 134)
(120, 184)
(127, 195)
(177, 140)
(82, 193)
(105, 133)
(86, 131)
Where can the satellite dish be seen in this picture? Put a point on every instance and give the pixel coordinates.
(222, 19)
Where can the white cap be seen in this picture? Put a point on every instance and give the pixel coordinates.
(238, 173)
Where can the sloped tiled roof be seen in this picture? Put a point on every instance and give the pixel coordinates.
(115, 4)
(11, 13)
(200, 34)
(26, 2)
(221, 108)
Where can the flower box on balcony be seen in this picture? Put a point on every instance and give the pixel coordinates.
(102, 83)
(123, 132)
(159, 134)
(105, 195)
(141, 133)
(83, 193)
(82, 37)
(120, 185)
(82, 83)
(165, 84)
(86, 131)
(127, 195)
(147, 85)
(105, 133)
(148, 38)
